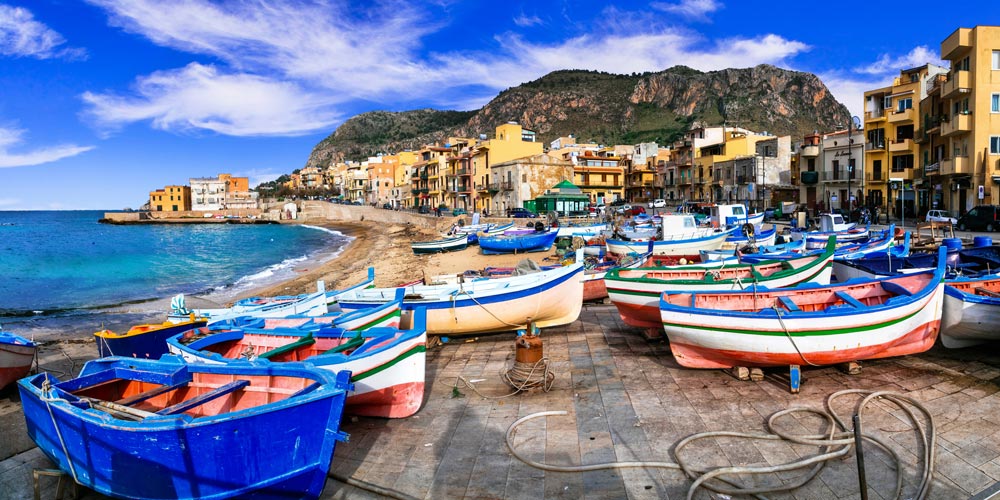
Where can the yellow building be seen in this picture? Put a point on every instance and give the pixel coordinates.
(170, 199)
(891, 125)
(599, 175)
(963, 152)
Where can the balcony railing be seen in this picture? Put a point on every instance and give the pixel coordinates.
(811, 151)
(506, 186)
(874, 146)
(933, 168)
(465, 171)
(958, 124)
(874, 115)
(876, 176)
(901, 115)
(958, 82)
(900, 145)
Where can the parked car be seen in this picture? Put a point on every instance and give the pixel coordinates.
(520, 213)
(424, 209)
(980, 218)
(458, 211)
(631, 210)
(940, 216)
(658, 203)
(619, 202)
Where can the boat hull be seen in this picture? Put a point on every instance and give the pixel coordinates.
(532, 242)
(150, 344)
(704, 337)
(552, 298)
(967, 318)
(448, 245)
(239, 453)
(16, 356)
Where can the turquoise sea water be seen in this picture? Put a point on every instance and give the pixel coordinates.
(63, 263)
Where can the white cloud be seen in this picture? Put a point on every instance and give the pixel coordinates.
(9, 202)
(691, 9)
(850, 90)
(12, 137)
(202, 97)
(526, 21)
(22, 36)
(284, 68)
(886, 64)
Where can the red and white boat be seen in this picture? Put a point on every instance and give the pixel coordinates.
(816, 325)
(16, 356)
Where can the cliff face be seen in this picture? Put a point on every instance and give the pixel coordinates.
(609, 109)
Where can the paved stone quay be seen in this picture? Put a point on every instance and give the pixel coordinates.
(627, 399)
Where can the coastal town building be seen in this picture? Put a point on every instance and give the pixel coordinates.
(640, 173)
(524, 179)
(222, 193)
(381, 180)
(678, 171)
(599, 174)
(207, 193)
(960, 147)
(170, 199)
(891, 124)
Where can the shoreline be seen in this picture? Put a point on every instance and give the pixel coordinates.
(384, 246)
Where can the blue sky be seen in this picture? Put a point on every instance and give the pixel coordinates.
(102, 101)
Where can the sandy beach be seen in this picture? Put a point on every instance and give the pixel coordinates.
(386, 247)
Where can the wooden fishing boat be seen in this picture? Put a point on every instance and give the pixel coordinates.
(386, 363)
(535, 241)
(817, 325)
(140, 428)
(459, 242)
(764, 252)
(688, 244)
(143, 341)
(546, 298)
(594, 287)
(636, 292)
(764, 237)
(332, 296)
(16, 355)
(988, 258)
(971, 313)
(312, 304)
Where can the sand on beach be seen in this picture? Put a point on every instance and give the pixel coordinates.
(386, 247)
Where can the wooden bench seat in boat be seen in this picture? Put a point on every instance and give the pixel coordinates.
(842, 295)
(787, 302)
(896, 289)
(350, 344)
(152, 393)
(199, 400)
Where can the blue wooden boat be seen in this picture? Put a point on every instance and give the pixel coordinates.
(143, 341)
(538, 241)
(138, 428)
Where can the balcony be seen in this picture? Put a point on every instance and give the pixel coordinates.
(958, 83)
(874, 147)
(898, 116)
(808, 177)
(810, 151)
(932, 169)
(956, 165)
(464, 171)
(423, 176)
(874, 116)
(958, 124)
(875, 177)
(956, 43)
(494, 188)
(900, 145)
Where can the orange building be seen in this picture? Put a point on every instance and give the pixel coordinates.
(170, 199)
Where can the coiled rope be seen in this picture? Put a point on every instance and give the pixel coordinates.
(835, 443)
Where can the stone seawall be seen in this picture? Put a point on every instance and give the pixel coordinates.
(353, 213)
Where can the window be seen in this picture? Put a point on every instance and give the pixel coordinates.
(962, 65)
(995, 103)
(887, 103)
(996, 59)
(904, 104)
(836, 169)
(995, 144)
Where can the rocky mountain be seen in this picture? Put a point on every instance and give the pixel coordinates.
(608, 109)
